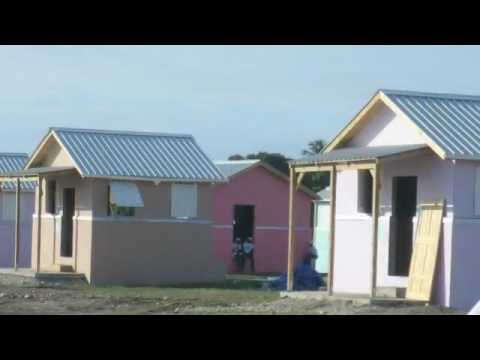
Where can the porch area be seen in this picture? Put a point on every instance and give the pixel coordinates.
(375, 192)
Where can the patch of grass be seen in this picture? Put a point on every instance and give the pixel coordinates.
(218, 294)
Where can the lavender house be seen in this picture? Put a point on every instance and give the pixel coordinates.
(403, 149)
(13, 162)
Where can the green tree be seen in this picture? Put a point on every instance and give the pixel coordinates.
(236, 157)
(318, 180)
(314, 147)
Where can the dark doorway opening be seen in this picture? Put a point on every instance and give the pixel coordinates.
(404, 209)
(243, 240)
(66, 244)
(243, 223)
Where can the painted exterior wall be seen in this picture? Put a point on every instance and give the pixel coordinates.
(353, 241)
(465, 288)
(269, 194)
(150, 248)
(386, 128)
(321, 235)
(7, 232)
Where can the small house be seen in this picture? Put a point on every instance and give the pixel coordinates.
(401, 150)
(12, 254)
(254, 203)
(119, 207)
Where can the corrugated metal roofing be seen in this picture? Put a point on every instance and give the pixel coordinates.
(13, 162)
(451, 121)
(232, 167)
(124, 154)
(357, 154)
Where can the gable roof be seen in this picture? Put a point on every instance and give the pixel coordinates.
(134, 155)
(449, 123)
(232, 168)
(10, 162)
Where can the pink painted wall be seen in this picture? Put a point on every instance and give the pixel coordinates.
(269, 194)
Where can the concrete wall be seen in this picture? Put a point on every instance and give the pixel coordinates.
(7, 233)
(150, 248)
(149, 253)
(269, 194)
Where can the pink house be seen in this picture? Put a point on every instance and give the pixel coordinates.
(254, 203)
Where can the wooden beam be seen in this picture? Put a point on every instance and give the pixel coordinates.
(39, 220)
(312, 168)
(17, 226)
(291, 231)
(375, 211)
(356, 166)
(349, 129)
(299, 180)
(333, 205)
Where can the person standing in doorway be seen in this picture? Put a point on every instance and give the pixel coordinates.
(238, 255)
(248, 248)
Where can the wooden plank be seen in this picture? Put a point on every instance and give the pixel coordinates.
(312, 168)
(291, 231)
(39, 220)
(347, 131)
(425, 252)
(356, 166)
(333, 205)
(299, 180)
(17, 226)
(375, 211)
(434, 146)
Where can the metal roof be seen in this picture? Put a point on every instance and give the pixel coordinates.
(449, 120)
(357, 154)
(232, 167)
(12, 162)
(142, 155)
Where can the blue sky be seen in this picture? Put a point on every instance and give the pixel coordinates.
(233, 99)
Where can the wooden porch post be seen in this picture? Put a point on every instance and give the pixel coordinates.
(39, 220)
(17, 226)
(375, 211)
(333, 202)
(291, 230)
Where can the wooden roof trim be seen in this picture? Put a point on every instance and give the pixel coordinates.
(361, 116)
(43, 143)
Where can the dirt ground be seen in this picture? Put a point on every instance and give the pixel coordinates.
(22, 295)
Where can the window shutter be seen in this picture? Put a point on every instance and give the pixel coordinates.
(184, 200)
(8, 206)
(477, 191)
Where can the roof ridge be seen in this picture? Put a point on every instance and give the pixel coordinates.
(120, 132)
(249, 161)
(429, 94)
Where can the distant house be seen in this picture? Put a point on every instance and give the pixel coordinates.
(416, 147)
(254, 203)
(13, 162)
(123, 207)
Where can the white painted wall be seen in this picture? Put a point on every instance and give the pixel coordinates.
(353, 238)
(386, 128)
